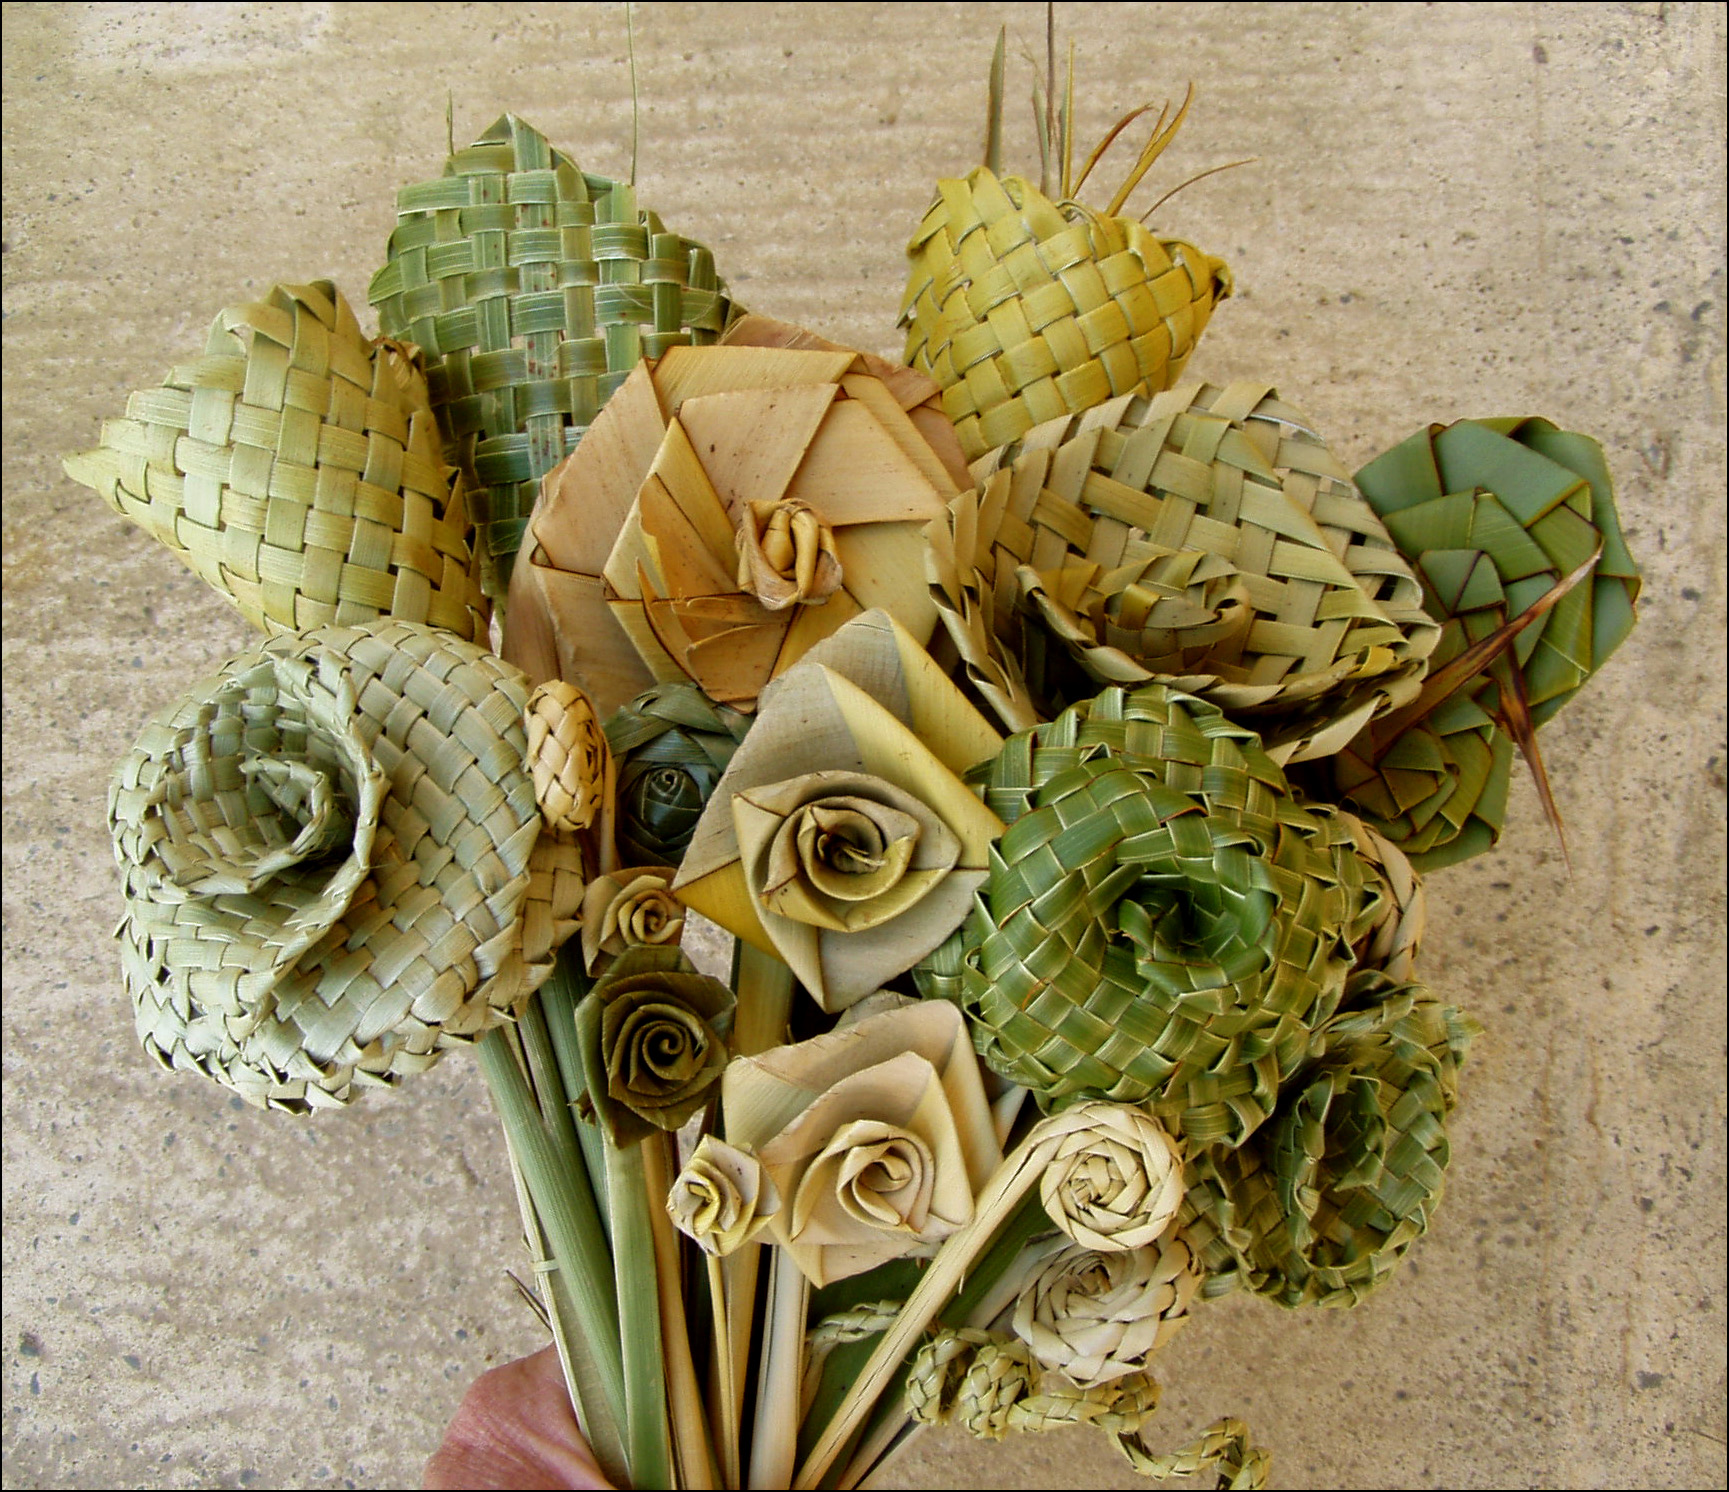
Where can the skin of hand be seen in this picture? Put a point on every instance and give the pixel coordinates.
(515, 1428)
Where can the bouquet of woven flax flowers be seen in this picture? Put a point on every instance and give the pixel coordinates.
(1052, 742)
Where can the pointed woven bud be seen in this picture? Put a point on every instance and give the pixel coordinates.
(567, 755)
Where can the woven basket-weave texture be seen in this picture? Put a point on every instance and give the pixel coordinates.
(329, 862)
(534, 288)
(1025, 310)
(1206, 537)
(296, 466)
(1319, 1205)
(1165, 923)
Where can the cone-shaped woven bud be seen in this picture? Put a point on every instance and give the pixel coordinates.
(1025, 310)
(296, 467)
(1319, 1205)
(1492, 514)
(330, 857)
(1206, 538)
(1164, 923)
(670, 744)
(534, 288)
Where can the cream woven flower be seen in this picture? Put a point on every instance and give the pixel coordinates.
(1116, 1180)
(722, 1198)
(628, 909)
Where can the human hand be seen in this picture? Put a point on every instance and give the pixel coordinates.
(515, 1428)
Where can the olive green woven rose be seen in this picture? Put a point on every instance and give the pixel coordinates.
(1492, 514)
(670, 744)
(651, 1034)
(1165, 922)
(1319, 1205)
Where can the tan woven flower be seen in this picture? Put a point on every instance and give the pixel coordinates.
(534, 288)
(1098, 1316)
(1205, 538)
(632, 908)
(296, 467)
(329, 855)
(722, 1198)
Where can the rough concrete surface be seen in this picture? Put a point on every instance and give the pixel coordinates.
(1456, 210)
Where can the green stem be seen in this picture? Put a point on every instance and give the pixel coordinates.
(647, 1432)
(558, 1187)
(558, 999)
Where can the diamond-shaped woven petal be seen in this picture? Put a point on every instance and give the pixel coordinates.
(330, 865)
(296, 466)
(1317, 1207)
(1491, 514)
(1206, 537)
(534, 288)
(1164, 924)
(1024, 310)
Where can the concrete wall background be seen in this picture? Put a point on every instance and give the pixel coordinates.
(1458, 210)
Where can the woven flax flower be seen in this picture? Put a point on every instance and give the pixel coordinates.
(1320, 1204)
(295, 466)
(731, 507)
(671, 744)
(1205, 538)
(534, 288)
(1492, 514)
(876, 1136)
(839, 837)
(722, 1199)
(1164, 923)
(330, 858)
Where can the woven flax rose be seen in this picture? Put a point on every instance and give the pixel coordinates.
(1164, 922)
(333, 863)
(671, 744)
(629, 909)
(721, 1199)
(651, 1034)
(1116, 1180)
(877, 1137)
(1098, 1316)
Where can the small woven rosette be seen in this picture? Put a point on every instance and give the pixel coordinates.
(1165, 923)
(296, 467)
(329, 861)
(533, 287)
(671, 745)
(1025, 310)
(1205, 537)
(1319, 1205)
(1493, 515)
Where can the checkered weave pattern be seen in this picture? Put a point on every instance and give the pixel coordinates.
(296, 467)
(1165, 923)
(533, 288)
(328, 853)
(1024, 311)
(1317, 1207)
(1205, 537)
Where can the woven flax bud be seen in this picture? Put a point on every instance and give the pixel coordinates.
(670, 744)
(1205, 538)
(328, 855)
(567, 755)
(295, 466)
(534, 288)
(1164, 923)
(1025, 310)
(1491, 514)
(1319, 1205)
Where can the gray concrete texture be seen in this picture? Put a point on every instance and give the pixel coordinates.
(1456, 210)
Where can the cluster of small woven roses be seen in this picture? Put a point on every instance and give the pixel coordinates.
(756, 602)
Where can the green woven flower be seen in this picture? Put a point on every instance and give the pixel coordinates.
(1493, 515)
(1165, 923)
(1319, 1205)
(671, 745)
(533, 288)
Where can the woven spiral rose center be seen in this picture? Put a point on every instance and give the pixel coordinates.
(839, 862)
(881, 1175)
(786, 554)
(1116, 1180)
(660, 1048)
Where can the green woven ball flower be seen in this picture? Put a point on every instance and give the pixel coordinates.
(1319, 1205)
(1165, 923)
